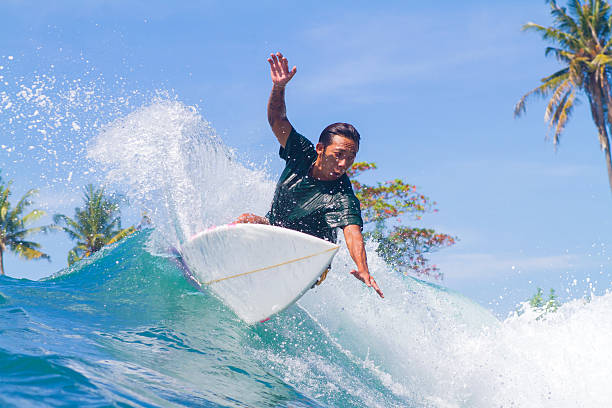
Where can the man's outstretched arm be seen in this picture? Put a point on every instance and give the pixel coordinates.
(356, 247)
(277, 111)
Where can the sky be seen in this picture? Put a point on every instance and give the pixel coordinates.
(430, 86)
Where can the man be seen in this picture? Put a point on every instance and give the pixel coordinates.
(314, 194)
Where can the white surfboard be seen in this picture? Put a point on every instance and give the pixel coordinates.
(257, 270)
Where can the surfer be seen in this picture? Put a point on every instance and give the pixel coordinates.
(314, 195)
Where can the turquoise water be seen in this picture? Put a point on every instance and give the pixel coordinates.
(125, 328)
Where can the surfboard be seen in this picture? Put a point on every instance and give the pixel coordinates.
(257, 270)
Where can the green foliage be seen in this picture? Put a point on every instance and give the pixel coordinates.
(544, 306)
(94, 225)
(403, 247)
(581, 42)
(387, 200)
(14, 226)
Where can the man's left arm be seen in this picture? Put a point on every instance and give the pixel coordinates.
(356, 247)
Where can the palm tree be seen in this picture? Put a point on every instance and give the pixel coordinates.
(581, 35)
(97, 224)
(14, 229)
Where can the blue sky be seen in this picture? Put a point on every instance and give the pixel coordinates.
(430, 85)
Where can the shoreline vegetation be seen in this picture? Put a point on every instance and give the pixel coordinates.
(15, 226)
(98, 223)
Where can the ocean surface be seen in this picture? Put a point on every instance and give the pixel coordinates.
(125, 327)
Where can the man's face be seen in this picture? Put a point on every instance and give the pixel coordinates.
(337, 157)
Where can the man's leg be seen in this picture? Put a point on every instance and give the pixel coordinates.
(248, 218)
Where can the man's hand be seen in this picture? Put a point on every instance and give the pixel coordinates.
(366, 278)
(277, 112)
(354, 242)
(279, 69)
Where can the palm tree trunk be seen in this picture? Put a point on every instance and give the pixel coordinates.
(1, 262)
(606, 150)
(599, 95)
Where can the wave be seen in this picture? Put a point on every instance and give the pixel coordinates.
(126, 328)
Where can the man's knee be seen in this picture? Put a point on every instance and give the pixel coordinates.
(249, 218)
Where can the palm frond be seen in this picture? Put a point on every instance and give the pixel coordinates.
(564, 112)
(566, 40)
(73, 257)
(71, 225)
(71, 234)
(601, 60)
(557, 97)
(26, 232)
(34, 215)
(14, 227)
(576, 70)
(582, 20)
(23, 203)
(561, 55)
(548, 85)
(564, 21)
(601, 13)
(4, 209)
(29, 250)
(121, 234)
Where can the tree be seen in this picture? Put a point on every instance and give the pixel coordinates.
(582, 41)
(97, 224)
(14, 226)
(539, 305)
(403, 247)
(537, 301)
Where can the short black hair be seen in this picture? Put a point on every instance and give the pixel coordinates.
(341, 129)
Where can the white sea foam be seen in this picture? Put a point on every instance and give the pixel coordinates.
(46, 119)
(439, 349)
(428, 346)
(171, 162)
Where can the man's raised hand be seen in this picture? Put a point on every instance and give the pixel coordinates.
(279, 69)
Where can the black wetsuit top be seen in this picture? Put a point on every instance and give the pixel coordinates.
(305, 204)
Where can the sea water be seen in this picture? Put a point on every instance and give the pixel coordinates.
(125, 328)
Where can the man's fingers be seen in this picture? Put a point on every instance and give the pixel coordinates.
(376, 288)
(274, 68)
(279, 67)
(275, 62)
(278, 60)
(369, 281)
